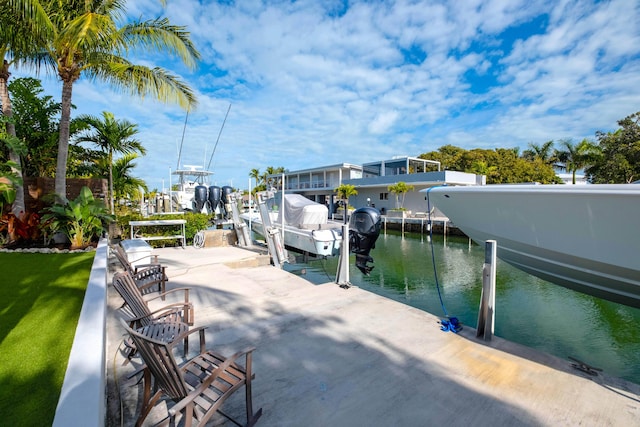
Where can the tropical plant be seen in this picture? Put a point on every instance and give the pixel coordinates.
(481, 167)
(15, 229)
(620, 153)
(81, 220)
(13, 226)
(111, 136)
(574, 157)
(86, 38)
(257, 177)
(344, 191)
(7, 129)
(544, 152)
(501, 165)
(10, 176)
(16, 43)
(255, 174)
(271, 176)
(400, 188)
(125, 185)
(36, 124)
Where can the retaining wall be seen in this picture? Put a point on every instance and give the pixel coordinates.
(82, 399)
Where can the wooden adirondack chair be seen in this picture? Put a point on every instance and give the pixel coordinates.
(140, 313)
(169, 322)
(148, 277)
(196, 389)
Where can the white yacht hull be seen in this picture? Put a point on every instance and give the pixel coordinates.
(582, 237)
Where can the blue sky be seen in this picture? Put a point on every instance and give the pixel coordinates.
(314, 83)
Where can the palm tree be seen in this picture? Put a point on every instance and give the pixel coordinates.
(255, 174)
(16, 44)
(480, 167)
(543, 152)
(576, 156)
(83, 38)
(268, 176)
(344, 191)
(259, 179)
(126, 185)
(400, 188)
(111, 136)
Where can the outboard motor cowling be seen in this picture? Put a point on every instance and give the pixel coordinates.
(215, 196)
(364, 229)
(200, 198)
(226, 191)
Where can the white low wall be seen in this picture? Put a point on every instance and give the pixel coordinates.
(82, 400)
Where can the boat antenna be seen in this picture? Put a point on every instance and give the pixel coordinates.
(184, 128)
(219, 133)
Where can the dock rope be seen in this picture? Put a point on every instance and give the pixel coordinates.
(198, 239)
(451, 324)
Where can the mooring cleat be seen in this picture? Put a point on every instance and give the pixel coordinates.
(584, 367)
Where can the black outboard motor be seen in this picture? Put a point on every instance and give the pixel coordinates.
(364, 229)
(200, 198)
(215, 195)
(226, 199)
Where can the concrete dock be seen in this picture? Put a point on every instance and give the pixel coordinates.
(327, 356)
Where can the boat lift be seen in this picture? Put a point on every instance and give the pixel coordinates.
(274, 238)
(242, 230)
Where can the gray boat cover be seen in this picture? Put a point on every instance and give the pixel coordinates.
(300, 211)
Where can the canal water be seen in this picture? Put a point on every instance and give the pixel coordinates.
(529, 311)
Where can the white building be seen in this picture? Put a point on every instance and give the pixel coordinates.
(372, 181)
(567, 178)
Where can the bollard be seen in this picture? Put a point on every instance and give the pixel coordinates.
(342, 276)
(486, 314)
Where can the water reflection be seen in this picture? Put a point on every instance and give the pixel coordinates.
(529, 311)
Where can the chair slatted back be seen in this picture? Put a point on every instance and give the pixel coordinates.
(149, 279)
(122, 258)
(126, 287)
(146, 278)
(159, 359)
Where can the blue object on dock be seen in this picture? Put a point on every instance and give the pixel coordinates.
(451, 324)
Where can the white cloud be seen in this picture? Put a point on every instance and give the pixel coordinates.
(311, 83)
(383, 122)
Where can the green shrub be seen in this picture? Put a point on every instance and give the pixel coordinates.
(82, 220)
(195, 223)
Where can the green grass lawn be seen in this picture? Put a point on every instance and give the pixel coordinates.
(40, 300)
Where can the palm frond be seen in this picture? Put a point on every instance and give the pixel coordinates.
(88, 32)
(160, 35)
(142, 81)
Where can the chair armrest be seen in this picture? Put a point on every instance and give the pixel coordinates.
(188, 309)
(179, 406)
(162, 295)
(182, 336)
(168, 310)
(154, 262)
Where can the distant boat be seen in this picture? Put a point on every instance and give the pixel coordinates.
(189, 179)
(585, 238)
(306, 224)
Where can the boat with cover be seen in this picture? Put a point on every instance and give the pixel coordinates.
(306, 224)
(583, 237)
